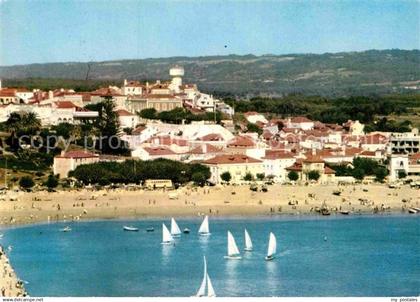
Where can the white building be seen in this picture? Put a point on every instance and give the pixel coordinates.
(275, 164)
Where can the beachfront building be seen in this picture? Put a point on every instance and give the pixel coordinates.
(407, 142)
(68, 161)
(305, 166)
(238, 165)
(403, 165)
(275, 164)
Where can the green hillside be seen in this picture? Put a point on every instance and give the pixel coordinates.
(330, 74)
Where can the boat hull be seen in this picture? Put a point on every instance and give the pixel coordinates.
(167, 243)
(233, 257)
(127, 229)
(269, 258)
(204, 234)
(248, 249)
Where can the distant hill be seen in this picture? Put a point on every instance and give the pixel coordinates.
(330, 74)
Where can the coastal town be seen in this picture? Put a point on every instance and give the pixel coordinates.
(181, 152)
(279, 150)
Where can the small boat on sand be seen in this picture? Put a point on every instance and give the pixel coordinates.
(66, 229)
(412, 211)
(344, 212)
(130, 229)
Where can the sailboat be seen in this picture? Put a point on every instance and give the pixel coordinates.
(233, 251)
(272, 247)
(206, 283)
(175, 231)
(204, 229)
(248, 242)
(166, 235)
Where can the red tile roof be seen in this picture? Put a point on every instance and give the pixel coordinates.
(231, 159)
(205, 149)
(77, 154)
(65, 105)
(155, 151)
(212, 137)
(300, 119)
(242, 142)
(123, 112)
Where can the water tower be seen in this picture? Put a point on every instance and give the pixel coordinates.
(176, 72)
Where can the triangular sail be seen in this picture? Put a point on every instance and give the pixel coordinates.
(248, 241)
(210, 289)
(175, 231)
(166, 235)
(272, 245)
(202, 290)
(232, 247)
(204, 228)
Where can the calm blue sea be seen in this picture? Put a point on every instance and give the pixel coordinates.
(362, 256)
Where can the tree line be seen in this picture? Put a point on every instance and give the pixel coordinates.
(137, 171)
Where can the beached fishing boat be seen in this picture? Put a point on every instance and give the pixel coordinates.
(66, 229)
(175, 231)
(130, 229)
(204, 229)
(344, 212)
(166, 235)
(248, 242)
(412, 211)
(272, 247)
(206, 288)
(232, 248)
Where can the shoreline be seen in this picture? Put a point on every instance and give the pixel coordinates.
(10, 284)
(303, 201)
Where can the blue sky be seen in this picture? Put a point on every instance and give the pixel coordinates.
(37, 31)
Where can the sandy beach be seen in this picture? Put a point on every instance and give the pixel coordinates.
(10, 286)
(24, 208)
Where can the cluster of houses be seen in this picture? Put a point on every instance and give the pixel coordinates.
(66, 105)
(291, 144)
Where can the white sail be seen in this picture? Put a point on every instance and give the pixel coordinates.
(206, 282)
(210, 289)
(248, 242)
(202, 290)
(272, 245)
(204, 228)
(166, 236)
(175, 231)
(232, 247)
